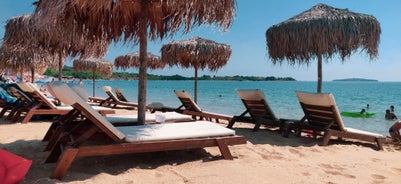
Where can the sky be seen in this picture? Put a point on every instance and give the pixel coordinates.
(247, 39)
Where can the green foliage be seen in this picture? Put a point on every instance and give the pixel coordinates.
(67, 71)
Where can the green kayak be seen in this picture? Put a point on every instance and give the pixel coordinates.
(358, 114)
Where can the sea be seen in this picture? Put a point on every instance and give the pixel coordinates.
(221, 97)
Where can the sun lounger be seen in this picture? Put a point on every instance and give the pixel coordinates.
(322, 116)
(131, 139)
(21, 105)
(114, 100)
(44, 105)
(191, 108)
(168, 117)
(257, 111)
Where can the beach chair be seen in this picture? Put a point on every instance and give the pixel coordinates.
(191, 108)
(76, 142)
(120, 95)
(322, 116)
(18, 107)
(257, 111)
(45, 106)
(114, 100)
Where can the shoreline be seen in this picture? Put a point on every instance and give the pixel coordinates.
(266, 158)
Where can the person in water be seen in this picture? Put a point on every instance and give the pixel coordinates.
(363, 111)
(389, 115)
(392, 108)
(395, 131)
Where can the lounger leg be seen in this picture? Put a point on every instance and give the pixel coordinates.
(50, 132)
(380, 142)
(16, 116)
(326, 139)
(55, 137)
(64, 163)
(5, 109)
(223, 147)
(231, 122)
(27, 117)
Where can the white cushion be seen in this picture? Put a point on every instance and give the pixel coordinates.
(170, 131)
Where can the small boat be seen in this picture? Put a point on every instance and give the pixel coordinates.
(358, 114)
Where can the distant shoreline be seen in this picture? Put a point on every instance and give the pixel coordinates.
(357, 80)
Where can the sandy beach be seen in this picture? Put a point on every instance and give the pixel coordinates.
(266, 158)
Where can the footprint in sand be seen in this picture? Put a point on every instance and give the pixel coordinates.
(397, 170)
(335, 170)
(296, 152)
(378, 177)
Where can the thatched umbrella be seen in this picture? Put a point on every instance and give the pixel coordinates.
(322, 31)
(132, 60)
(198, 53)
(19, 61)
(20, 50)
(131, 21)
(95, 65)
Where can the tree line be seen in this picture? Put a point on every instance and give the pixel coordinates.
(67, 71)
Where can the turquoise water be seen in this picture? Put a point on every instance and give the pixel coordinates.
(220, 97)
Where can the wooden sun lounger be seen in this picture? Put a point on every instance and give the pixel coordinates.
(44, 106)
(258, 110)
(323, 117)
(191, 108)
(21, 105)
(113, 100)
(131, 139)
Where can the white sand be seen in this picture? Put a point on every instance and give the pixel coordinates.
(266, 158)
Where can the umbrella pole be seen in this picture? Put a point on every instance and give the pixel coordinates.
(196, 85)
(143, 34)
(32, 75)
(319, 73)
(60, 68)
(93, 82)
(21, 79)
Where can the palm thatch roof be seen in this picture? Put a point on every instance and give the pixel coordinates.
(164, 17)
(24, 60)
(132, 60)
(20, 50)
(19, 31)
(196, 52)
(102, 66)
(323, 30)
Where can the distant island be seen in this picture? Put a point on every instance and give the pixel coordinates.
(357, 79)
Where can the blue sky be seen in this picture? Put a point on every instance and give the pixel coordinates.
(247, 40)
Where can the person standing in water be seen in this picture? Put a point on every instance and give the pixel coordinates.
(395, 131)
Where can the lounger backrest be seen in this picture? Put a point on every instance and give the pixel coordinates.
(20, 95)
(187, 101)
(256, 104)
(320, 109)
(81, 91)
(36, 93)
(120, 95)
(109, 91)
(68, 96)
(50, 89)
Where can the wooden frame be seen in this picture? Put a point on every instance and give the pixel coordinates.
(258, 110)
(70, 145)
(323, 118)
(114, 100)
(191, 108)
(44, 106)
